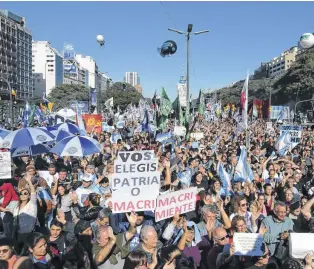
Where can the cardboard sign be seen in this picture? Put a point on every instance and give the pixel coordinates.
(179, 131)
(197, 136)
(248, 244)
(295, 132)
(170, 204)
(5, 165)
(93, 123)
(135, 182)
(300, 244)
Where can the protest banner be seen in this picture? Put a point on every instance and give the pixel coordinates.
(93, 122)
(179, 131)
(5, 165)
(295, 132)
(300, 244)
(197, 136)
(248, 244)
(135, 182)
(178, 202)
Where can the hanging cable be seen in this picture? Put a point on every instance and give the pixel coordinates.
(168, 14)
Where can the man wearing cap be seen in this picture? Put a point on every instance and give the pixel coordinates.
(87, 187)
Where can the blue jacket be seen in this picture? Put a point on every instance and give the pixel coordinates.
(274, 229)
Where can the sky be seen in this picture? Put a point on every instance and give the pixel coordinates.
(241, 36)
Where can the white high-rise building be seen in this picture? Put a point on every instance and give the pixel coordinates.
(47, 67)
(132, 78)
(87, 63)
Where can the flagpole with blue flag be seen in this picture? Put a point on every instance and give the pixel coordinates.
(243, 171)
(224, 177)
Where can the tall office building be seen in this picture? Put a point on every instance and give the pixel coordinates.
(16, 54)
(132, 78)
(47, 68)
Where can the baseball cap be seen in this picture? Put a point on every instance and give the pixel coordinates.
(81, 226)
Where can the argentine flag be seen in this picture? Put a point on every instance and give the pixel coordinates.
(243, 171)
(283, 143)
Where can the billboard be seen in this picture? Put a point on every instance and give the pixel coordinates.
(182, 94)
(69, 68)
(279, 113)
(82, 104)
(68, 52)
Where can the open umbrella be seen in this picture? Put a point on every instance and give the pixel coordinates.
(26, 137)
(77, 146)
(69, 127)
(60, 134)
(4, 133)
(30, 150)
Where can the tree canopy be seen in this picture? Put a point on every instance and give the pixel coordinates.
(63, 94)
(120, 96)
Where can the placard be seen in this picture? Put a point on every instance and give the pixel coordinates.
(120, 124)
(295, 132)
(197, 136)
(178, 202)
(248, 244)
(5, 165)
(179, 131)
(300, 244)
(269, 125)
(135, 182)
(163, 137)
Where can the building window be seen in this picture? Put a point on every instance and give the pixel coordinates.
(50, 65)
(50, 70)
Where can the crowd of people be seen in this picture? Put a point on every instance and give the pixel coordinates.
(56, 212)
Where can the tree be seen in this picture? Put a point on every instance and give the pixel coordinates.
(122, 95)
(63, 94)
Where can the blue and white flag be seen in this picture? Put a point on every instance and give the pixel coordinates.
(93, 97)
(243, 171)
(224, 177)
(214, 146)
(45, 100)
(26, 113)
(283, 143)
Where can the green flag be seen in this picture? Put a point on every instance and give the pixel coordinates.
(165, 103)
(176, 106)
(201, 106)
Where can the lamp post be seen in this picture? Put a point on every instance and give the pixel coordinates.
(188, 33)
(101, 41)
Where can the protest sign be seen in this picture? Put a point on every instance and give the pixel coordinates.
(5, 165)
(295, 132)
(178, 202)
(197, 136)
(269, 125)
(179, 131)
(163, 137)
(135, 182)
(248, 244)
(300, 244)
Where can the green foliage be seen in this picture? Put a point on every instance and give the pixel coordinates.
(63, 94)
(299, 79)
(122, 97)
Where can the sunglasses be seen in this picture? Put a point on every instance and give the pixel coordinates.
(223, 238)
(243, 205)
(4, 251)
(23, 193)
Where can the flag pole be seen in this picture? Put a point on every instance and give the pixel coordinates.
(247, 135)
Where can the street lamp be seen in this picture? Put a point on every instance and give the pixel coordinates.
(187, 34)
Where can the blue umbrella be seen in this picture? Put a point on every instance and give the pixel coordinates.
(26, 137)
(49, 128)
(62, 134)
(4, 133)
(78, 146)
(69, 127)
(30, 150)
